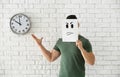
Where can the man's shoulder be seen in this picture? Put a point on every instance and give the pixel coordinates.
(59, 40)
(82, 37)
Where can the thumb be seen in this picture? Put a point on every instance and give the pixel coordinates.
(41, 38)
(76, 43)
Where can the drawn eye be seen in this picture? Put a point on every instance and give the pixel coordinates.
(66, 25)
(71, 25)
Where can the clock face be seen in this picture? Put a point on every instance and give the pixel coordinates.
(20, 24)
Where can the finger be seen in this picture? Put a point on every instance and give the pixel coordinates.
(41, 38)
(77, 41)
(34, 36)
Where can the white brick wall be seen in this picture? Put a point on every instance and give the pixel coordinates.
(99, 21)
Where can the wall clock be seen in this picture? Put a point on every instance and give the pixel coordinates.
(20, 23)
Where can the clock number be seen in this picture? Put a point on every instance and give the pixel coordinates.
(23, 30)
(11, 23)
(13, 27)
(27, 24)
(20, 16)
(19, 31)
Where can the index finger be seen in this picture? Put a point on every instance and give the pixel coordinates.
(34, 36)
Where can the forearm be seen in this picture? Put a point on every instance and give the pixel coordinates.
(45, 52)
(89, 58)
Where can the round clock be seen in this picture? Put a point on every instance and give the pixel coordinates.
(20, 23)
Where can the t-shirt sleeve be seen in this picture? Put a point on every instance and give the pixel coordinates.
(56, 46)
(88, 46)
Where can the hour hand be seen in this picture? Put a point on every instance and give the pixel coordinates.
(17, 22)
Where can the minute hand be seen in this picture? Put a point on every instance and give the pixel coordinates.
(19, 19)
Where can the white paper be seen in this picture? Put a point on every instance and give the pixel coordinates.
(70, 33)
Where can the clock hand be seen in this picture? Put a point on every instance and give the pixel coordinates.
(17, 22)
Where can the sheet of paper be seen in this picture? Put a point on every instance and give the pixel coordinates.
(70, 30)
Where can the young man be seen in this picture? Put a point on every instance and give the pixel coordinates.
(73, 55)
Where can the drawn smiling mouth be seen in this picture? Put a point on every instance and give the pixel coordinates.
(69, 33)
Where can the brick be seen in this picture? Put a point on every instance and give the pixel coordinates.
(63, 10)
(48, 11)
(25, 6)
(102, 34)
(82, 11)
(47, 1)
(33, 10)
(109, 29)
(115, 43)
(115, 15)
(1, 6)
(102, 6)
(90, 6)
(104, 71)
(32, 1)
(115, 63)
(56, 6)
(71, 6)
(56, 15)
(110, 58)
(5, 1)
(28, 72)
(61, 1)
(41, 25)
(108, 1)
(94, 1)
(110, 67)
(35, 20)
(99, 20)
(40, 6)
(116, 71)
(18, 2)
(2, 72)
(47, 20)
(102, 15)
(10, 6)
(39, 15)
(78, 1)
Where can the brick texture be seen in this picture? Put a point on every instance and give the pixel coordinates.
(99, 22)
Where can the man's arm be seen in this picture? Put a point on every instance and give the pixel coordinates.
(50, 56)
(88, 56)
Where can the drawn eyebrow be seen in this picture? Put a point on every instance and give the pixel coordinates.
(71, 22)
